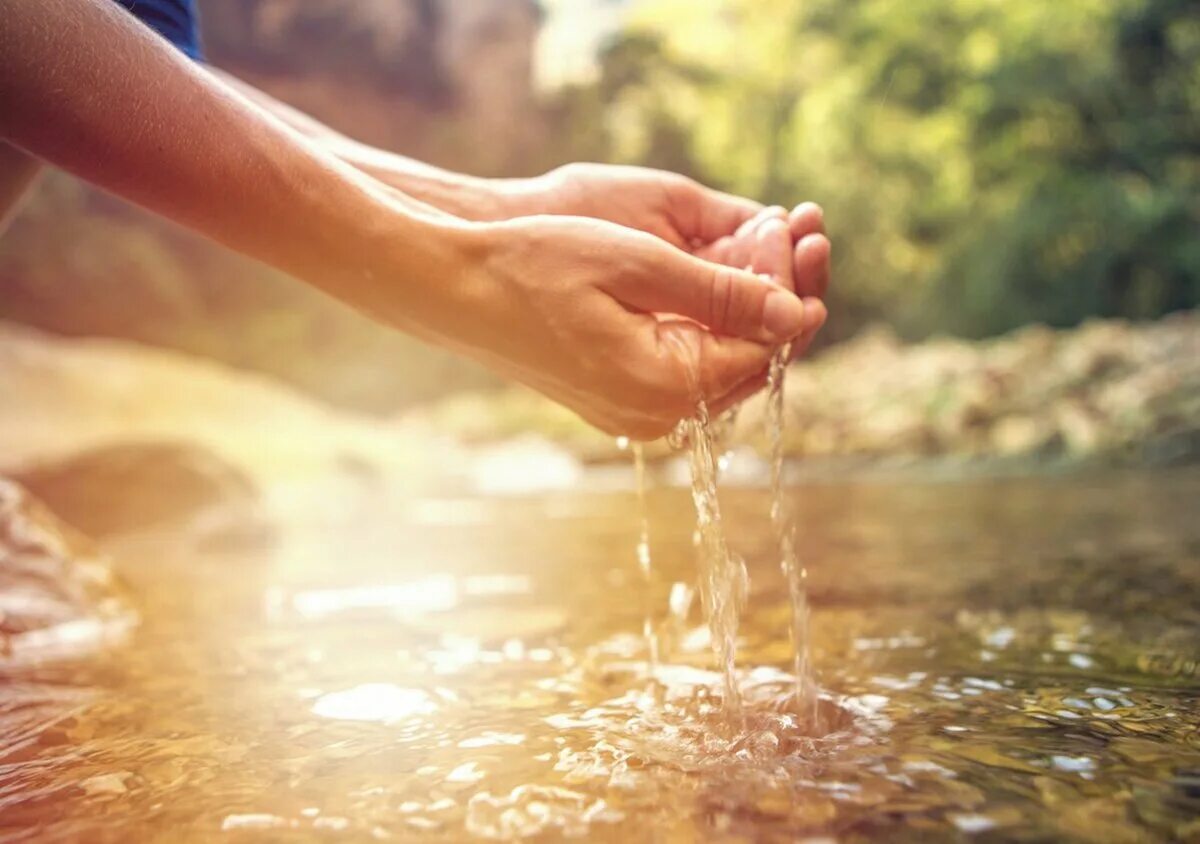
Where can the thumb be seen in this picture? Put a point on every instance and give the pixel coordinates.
(726, 300)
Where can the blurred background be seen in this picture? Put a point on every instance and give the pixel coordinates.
(983, 164)
(1012, 189)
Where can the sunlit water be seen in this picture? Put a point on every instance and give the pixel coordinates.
(722, 574)
(643, 555)
(1007, 660)
(794, 574)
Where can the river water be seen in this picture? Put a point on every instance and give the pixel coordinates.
(997, 659)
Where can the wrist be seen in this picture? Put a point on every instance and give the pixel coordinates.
(400, 266)
(468, 197)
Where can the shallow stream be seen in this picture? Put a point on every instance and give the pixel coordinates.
(998, 660)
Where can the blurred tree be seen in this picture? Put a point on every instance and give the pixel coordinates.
(983, 164)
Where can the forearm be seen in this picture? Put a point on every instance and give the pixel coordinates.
(469, 197)
(85, 87)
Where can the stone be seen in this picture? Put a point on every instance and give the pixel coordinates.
(1108, 391)
(125, 488)
(58, 596)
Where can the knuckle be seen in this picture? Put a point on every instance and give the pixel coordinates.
(720, 298)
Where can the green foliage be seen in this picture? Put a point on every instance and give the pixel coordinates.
(983, 163)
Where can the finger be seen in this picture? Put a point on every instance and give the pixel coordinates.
(744, 247)
(720, 250)
(772, 212)
(773, 252)
(755, 382)
(710, 366)
(737, 249)
(806, 218)
(811, 260)
(727, 364)
(728, 301)
(740, 393)
(816, 309)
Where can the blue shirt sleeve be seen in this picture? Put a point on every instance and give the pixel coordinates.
(174, 20)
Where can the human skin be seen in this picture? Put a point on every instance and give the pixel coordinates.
(677, 209)
(563, 303)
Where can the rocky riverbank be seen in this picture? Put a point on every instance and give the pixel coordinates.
(58, 597)
(1110, 391)
(116, 437)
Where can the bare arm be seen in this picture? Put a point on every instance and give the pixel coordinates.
(562, 303)
(469, 197)
(84, 86)
(678, 210)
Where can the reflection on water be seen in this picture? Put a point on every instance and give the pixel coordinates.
(380, 702)
(1007, 660)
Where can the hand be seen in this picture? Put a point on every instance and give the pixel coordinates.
(567, 305)
(764, 245)
(708, 223)
(808, 271)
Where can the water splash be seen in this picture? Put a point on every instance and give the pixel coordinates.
(530, 811)
(793, 571)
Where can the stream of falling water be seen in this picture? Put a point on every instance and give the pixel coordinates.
(793, 572)
(723, 576)
(643, 556)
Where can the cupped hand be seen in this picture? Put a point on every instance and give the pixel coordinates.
(773, 235)
(705, 222)
(791, 250)
(572, 307)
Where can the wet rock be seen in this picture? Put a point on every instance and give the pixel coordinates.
(58, 596)
(1020, 434)
(143, 419)
(124, 488)
(1081, 428)
(106, 785)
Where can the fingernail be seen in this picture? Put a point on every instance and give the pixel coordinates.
(784, 315)
(804, 209)
(770, 228)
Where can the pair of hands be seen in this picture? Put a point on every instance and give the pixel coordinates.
(583, 291)
(565, 282)
(577, 285)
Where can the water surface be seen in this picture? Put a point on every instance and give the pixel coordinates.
(1000, 660)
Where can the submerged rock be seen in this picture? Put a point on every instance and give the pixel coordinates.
(58, 596)
(122, 488)
(145, 421)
